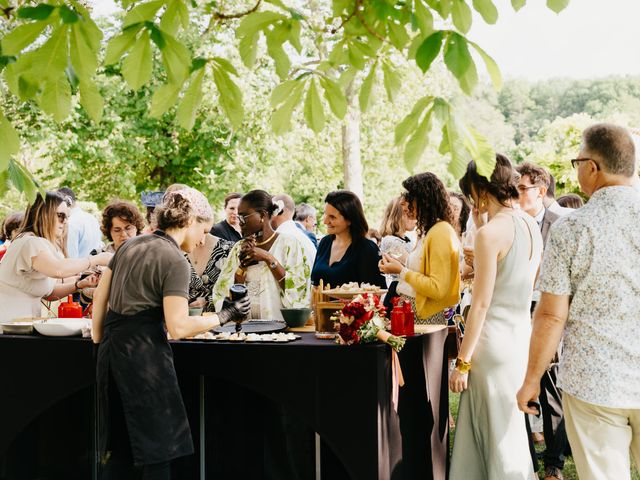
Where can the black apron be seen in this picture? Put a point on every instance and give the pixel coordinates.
(134, 354)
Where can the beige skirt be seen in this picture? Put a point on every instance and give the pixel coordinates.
(435, 319)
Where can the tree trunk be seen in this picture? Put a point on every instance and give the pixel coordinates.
(351, 145)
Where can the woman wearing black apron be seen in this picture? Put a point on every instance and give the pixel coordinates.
(143, 422)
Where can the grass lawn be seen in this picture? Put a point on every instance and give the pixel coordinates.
(569, 467)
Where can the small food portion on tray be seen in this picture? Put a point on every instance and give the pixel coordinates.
(351, 289)
(247, 337)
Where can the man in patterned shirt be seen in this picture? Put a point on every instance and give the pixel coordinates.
(590, 284)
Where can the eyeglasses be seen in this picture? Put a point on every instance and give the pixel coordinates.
(63, 217)
(128, 229)
(523, 188)
(242, 219)
(576, 161)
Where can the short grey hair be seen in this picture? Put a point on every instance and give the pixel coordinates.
(303, 211)
(614, 146)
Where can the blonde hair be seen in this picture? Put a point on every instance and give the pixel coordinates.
(392, 220)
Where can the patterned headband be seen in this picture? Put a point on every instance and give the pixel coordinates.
(199, 203)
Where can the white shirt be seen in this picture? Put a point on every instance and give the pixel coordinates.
(308, 248)
(83, 234)
(593, 256)
(559, 210)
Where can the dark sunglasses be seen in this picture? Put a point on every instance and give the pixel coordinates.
(63, 217)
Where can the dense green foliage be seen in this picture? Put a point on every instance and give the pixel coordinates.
(51, 56)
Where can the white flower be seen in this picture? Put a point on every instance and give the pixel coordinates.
(280, 205)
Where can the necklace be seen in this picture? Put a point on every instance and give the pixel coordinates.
(266, 241)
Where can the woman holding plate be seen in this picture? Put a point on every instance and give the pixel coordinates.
(430, 281)
(143, 422)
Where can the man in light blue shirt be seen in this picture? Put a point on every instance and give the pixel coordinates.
(83, 233)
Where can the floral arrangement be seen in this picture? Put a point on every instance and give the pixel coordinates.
(362, 320)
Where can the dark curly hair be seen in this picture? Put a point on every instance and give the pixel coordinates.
(503, 184)
(350, 207)
(173, 212)
(427, 194)
(126, 211)
(260, 201)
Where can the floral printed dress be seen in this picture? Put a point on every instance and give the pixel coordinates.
(263, 288)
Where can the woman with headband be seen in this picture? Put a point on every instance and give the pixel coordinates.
(143, 422)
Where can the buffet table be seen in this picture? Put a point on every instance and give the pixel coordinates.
(342, 393)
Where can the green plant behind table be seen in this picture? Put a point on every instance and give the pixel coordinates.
(51, 54)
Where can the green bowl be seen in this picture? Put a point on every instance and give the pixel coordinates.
(295, 317)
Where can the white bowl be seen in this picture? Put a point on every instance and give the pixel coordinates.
(61, 327)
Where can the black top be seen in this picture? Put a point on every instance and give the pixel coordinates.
(359, 264)
(224, 230)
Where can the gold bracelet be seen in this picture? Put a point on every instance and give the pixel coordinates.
(462, 366)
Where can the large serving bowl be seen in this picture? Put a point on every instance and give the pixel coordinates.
(295, 317)
(17, 326)
(61, 327)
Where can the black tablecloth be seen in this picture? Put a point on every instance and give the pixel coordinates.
(343, 393)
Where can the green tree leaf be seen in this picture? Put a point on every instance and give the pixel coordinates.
(55, 98)
(416, 145)
(282, 92)
(397, 35)
(186, 114)
(428, 51)
(458, 60)
(176, 59)
(91, 34)
(281, 118)
(20, 177)
(41, 12)
(51, 58)
(424, 18)
(335, 97)
(280, 57)
(518, 4)
(392, 81)
(136, 68)
(492, 66)
(145, 12)
(83, 59)
(91, 100)
(226, 65)
(356, 57)
(452, 143)
(230, 96)
(9, 142)
(461, 14)
(487, 9)
(249, 49)
(365, 89)
(68, 15)
(175, 16)
(313, 111)
(557, 5)
(256, 21)
(120, 44)
(410, 122)
(21, 37)
(163, 99)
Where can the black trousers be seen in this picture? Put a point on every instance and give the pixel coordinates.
(555, 435)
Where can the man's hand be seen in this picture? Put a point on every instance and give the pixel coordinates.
(527, 394)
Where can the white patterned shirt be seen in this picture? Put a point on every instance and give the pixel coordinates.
(593, 255)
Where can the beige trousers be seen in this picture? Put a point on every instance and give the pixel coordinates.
(601, 439)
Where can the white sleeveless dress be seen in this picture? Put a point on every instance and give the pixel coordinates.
(491, 439)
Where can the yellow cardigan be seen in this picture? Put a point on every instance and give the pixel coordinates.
(437, 284)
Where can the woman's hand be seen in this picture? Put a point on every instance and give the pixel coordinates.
(458, 381)
(249, 253)
(469, 256)
(198, 302)
(89, 282)
(389, 265)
